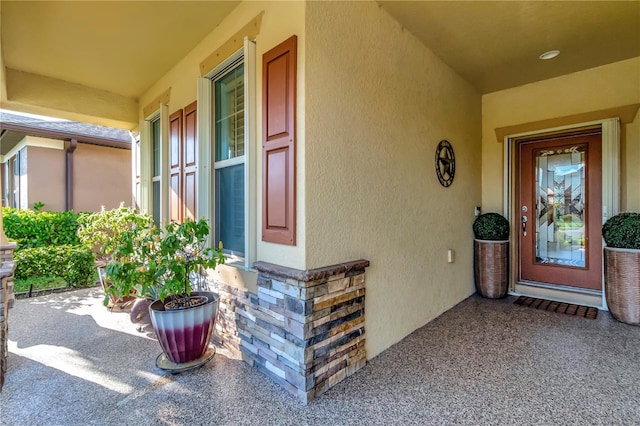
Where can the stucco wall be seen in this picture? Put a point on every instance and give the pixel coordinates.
(600, 88)
(46, 176)
(378, 104)
(280, 21)
(101, 177)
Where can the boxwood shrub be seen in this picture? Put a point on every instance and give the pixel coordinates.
(622, 231)
(491, 226)
(73, 263)
(32, 229)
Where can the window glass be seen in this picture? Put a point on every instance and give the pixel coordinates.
(155, 147)
(156, 202)
(230, 209)
(229, 114)
(229, 132)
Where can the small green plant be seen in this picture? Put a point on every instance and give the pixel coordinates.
(151, 261)
(622, 231)
(491, 226)
(74, 264)
(103, 231)
(38, 206)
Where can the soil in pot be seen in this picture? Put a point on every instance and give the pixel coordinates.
(185, 302)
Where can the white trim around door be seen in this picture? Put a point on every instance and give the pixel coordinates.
(610, 206)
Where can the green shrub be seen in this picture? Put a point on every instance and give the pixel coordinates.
(73, 263)
(622, 231)
(103, 231)
(491, 226)
(32, 229)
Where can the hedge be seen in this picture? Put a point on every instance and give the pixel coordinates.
(73, 263)
(31, 229)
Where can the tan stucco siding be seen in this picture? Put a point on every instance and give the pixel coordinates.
(101, 177)
(596, 89)
(46, 176)
(378, 104)
(280, 21)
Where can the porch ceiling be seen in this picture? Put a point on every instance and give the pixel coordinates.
(495, 45)
(109, 50)
(91, 61)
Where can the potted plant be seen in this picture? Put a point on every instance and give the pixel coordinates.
(621, 233)
(491, 255)
(104, 231)
(167, 261)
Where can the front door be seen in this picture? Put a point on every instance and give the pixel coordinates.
(560, 211)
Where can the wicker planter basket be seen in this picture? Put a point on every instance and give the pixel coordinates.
(491, 268)
(622, 283)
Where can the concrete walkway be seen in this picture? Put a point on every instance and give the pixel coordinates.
(72, 362)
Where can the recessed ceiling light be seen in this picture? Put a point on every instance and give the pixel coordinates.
(549, 55)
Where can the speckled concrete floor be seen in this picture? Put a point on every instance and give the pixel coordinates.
(72, 362)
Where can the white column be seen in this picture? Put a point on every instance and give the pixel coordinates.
(3, 237)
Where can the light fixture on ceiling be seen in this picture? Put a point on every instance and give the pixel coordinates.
(549, 55)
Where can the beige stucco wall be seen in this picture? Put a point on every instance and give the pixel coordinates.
(280, 21)
(101, 177)
(600, 88)
(46, 177)
(378, 104)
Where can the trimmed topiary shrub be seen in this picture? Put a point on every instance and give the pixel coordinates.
(491, 226)
(622, 231)
(73, 263)
(32, 229)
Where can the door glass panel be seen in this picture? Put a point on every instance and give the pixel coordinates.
(560, 201)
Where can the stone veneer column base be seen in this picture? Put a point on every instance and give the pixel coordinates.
(7, 266)
(304, 329)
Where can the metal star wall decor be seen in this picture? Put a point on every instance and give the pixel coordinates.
(445, 163)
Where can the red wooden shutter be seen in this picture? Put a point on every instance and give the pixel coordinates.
(189, 165)
(278, 143)
(175, 166)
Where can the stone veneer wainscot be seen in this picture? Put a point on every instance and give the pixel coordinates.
(304, 329)
(7, 266)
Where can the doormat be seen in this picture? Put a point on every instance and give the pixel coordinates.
(560, 307)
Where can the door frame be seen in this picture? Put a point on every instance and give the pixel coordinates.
(610, 129)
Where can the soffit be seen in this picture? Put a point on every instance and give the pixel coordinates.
(117, 46)
(495, 44)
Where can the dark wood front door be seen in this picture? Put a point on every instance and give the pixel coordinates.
(560, 211)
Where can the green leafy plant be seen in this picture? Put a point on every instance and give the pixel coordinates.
(72, 263)
(152, 261)
(105, 230)
(491, 226)
(622, 231)
(32, 229)
(38, 206)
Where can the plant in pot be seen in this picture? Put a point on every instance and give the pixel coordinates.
(621, 233)
(104, 232)
(166, 262)
(491, 255)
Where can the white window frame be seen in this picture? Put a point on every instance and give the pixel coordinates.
(206, 150)
(146, 167)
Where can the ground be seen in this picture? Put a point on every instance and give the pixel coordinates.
(72, 362)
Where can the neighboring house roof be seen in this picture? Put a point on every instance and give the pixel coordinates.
(65, 130)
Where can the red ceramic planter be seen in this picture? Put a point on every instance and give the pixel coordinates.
(184, 334)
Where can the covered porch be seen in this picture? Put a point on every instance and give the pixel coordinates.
(376, 87)
(73, 362)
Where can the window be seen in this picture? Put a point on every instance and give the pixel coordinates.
(136, 174)
(229, 158)
(155, 170)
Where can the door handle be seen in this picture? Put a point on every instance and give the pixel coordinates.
(524, 225)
